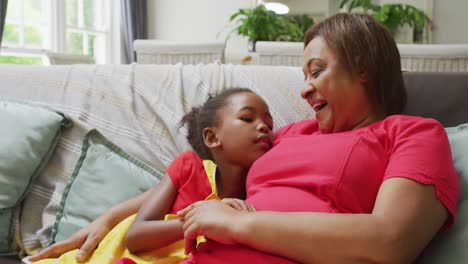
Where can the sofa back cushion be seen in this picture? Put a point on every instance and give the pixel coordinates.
(104, 175)
(441, 95)
(450, 246)
(28, 138)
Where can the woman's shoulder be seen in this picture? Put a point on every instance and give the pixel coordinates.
(409, 119)
(400, 123)
(403, 128)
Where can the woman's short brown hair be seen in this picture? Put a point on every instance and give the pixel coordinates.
(364, 46)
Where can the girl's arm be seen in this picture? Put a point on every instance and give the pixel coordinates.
(405, 218)
(149, 230)
(87, 238)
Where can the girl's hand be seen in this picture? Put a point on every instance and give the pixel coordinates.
(239, 204)
(213, 219)
(86, 239)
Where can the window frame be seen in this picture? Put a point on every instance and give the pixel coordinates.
(56, 34)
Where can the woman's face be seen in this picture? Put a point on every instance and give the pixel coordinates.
(337, 96)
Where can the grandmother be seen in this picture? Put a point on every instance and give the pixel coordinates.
(357, 184)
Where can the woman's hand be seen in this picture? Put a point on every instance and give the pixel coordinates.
(86, 239)
(239, 204)
(213, 219)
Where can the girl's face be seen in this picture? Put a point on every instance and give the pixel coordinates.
(244, 129)
(337, 96)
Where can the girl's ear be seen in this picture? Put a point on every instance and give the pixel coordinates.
(210, 138)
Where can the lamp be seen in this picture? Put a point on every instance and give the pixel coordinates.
(278, 8)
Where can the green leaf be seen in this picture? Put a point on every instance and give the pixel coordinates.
(233, 17)
(392, 16)
(262, 24)
(343, 3)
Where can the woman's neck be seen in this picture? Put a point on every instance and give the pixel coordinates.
(370, 119)
(230, 180)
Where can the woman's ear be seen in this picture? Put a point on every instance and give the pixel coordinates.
(210, 138)
(363, 76)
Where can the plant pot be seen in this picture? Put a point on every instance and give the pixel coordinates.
(251, 45)
(405, 34)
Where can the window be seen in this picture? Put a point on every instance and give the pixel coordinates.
(25, 32)
(87, 27)
(67, 26)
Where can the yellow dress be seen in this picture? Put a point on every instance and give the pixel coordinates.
(112, 247)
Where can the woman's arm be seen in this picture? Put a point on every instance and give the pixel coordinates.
(87, 238)
(149, 230)
(406, 216)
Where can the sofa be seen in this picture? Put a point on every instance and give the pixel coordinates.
(434, 57)
(135, 109)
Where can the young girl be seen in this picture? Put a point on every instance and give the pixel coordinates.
(227, 133)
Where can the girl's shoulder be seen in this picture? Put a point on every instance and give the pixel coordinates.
(189, 155)
(184, 166)
(186, 161)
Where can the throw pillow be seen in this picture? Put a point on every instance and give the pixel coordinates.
(28, 138)
(104, 176)
(450, 246)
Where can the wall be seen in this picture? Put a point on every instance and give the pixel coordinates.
(202, 20)
(451, 21)
(449, 17)
(316, 8)
(197, 20)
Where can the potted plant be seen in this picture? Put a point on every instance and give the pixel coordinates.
(261, 24)
(394, 16)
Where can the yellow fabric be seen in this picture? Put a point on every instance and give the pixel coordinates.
(112, 247)
(210, 169)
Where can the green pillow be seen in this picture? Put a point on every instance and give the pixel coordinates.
(28, 138)
(451, 246)
(104, 176)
